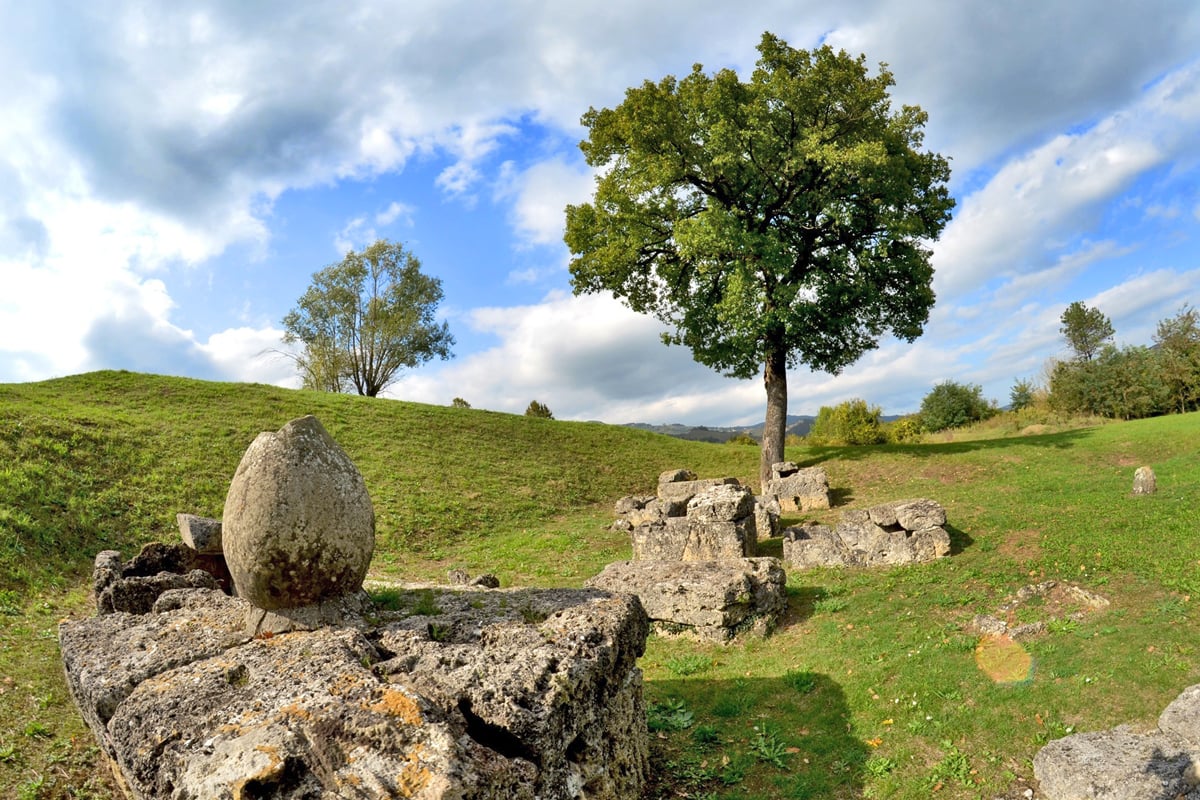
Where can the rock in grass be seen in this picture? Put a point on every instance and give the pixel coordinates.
(298, 528)
(1144, 481)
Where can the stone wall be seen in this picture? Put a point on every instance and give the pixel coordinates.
(901, 532)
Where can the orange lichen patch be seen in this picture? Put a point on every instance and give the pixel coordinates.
(296, 710)
(398, 704)
(1003, 660)
(413, 777)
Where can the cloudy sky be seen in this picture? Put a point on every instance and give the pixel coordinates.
(171, 175)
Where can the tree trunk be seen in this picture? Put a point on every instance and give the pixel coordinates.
(775, 426)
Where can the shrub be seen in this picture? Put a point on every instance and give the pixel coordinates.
(742, 438)
(458, 402)
(848, 423)
(906, 430)
(537, 409)
(951, 405)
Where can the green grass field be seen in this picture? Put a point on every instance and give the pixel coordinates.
(869, 689)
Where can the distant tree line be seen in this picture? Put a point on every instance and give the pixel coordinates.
(1127, 382)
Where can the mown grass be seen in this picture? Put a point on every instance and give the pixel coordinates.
(869, 688)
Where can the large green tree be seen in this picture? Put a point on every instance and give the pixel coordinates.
(365, 319)
(1086, 330)
(773, 222)
(1178, 340)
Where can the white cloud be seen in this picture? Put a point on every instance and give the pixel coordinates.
(542, 193)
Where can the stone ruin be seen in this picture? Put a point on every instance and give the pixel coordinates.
(693, 565)
(900, 532)
(248, 662)
(1126, 764)
(1056, 602)
(795, 489)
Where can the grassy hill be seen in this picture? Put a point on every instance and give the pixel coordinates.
(870, 688)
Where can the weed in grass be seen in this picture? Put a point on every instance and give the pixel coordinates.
(688, 664)
(733, 770)
(8, 753)
(703, 736)
(830, 604)
(32, 788)
(669, 716)
(732, 704)
(803, 682)
(438, 632)
(767, 747)
(878, 766)
(35, 730)
(954, 766)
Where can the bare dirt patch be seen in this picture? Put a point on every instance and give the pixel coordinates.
(1022, 547)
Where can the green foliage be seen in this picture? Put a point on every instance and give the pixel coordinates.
(671, 715)
(1085, 329)
(458, 402)
(1021, 395)
(906, 430)
(743, 439)
(1178, 340)
(365, 319)
(951, 405)
(539, 410)
(849, 423)
(1119, 383)
(774, 222)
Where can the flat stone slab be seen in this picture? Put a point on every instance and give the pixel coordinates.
(455, 693)
(706, 599)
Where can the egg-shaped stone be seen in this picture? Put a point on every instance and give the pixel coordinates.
(298, 525)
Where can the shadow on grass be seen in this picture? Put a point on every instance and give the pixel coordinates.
(779, 737)
(960, 540)
(1061, 441)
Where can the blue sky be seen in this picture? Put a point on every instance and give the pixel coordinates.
(171, 175)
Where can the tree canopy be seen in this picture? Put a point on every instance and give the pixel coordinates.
(773, 222)
(1085, 329)
(366, 318)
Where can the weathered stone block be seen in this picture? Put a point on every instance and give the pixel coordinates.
(809, 546)
(802, 490)
(202, 534)
(707, 599)
(1115, 765)
(766, 517)
(710, 540)
(678, 494)
(723, 503)
(913, 515)
(661, 541)
(508, 694)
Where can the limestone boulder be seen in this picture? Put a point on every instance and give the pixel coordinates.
(1144, 481)
(676, 495)
(133, 586)
(721, 503)
(464, 694)
(715, 540)
(713, 600)
(298, 527)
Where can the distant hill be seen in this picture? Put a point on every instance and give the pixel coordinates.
(798, 425)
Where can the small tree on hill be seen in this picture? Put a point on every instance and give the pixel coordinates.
(1021, 395)
(1085, 329)
(951, 405)
(365, 319)
(537, 409)
(458, 402)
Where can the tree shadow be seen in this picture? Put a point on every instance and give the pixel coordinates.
(1061, 441)
(785, 736)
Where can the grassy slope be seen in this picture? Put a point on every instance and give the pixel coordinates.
(870, 687)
